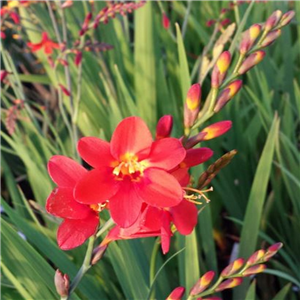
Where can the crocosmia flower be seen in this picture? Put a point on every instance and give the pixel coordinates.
(130, 170)
(46, 44)
(80, 221)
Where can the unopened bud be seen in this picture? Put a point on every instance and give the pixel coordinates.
(65, 90)
(254, 270)
(3, 75)
(249, 38)
(272, 250)
(251, 61)
(192, 104)
(270, 38)
(273, 20)
(233, 267)
(211, 22)
(220, 69)
(256, 257)
(78, 58)
(202, 283)
(62, 283)
(229, 284)
(216, 129)
(286, 18)
(67, 3)
(98, 253)
(164, 127)
(165, 21)
(176, 294)
(227, 94)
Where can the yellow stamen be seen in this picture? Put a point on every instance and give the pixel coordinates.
(192, 198)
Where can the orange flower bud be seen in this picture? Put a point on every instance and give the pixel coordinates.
(228, 93)
(256, 257)
(273, 20)
(215, 130)
(164, 127)
(229, 284)
(270, 38)
(202, 283)
(286, 18)
(254, 270)
(62, 283)
(165, 21)
(192, 104)
(249, 38)
(233, 267)
(176, 294)
(272, 250)
(67, 3)
(251, 61)
(220, 69)
(98, 253)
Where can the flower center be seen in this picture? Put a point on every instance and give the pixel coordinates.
(99, 207)
(129, 167)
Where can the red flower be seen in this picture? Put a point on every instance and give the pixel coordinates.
(8, 10)
(130, 170)
(47, 44)
(80, 221)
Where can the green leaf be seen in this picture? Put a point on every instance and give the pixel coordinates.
(282, 294)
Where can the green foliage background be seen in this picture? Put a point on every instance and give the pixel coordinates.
(147, 73)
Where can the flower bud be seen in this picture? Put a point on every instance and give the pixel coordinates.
(256, 257)
(251, 61)
(229, 284)
(211, 22)
(227, 94)
(85, 24)
(254, 270)
(78, 58)
(249, 38)
(98, 253)
(165, 21)
(176, 294)
(3, 75)
(67, 3)
(286, 18)
(192, 104)
(65, 90)
(233, 267)
(270, 38)
(272, 250)
(220, 69)
(215, 130)
(164, 127)
(202, 283)
(273, 20)
(194, 140)
(62, 283)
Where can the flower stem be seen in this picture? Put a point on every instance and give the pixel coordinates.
(152, 265)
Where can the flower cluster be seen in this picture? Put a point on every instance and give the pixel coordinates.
(144, 183)
(230, 277)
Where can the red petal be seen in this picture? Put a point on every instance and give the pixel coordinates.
(131, 136)
(64, 171)
(153, 219)
(196, 157)
(61, 203)
(73, 233)
(185, 217)
(159, 188)
(95, 152)
(34, 47)
(166, 233)
(45, 37)
(182, 175)
(166, 154)
(96, 187)
(48, 49)
(125, 206)
(216, 129)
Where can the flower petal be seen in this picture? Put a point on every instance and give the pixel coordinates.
(64, 171)
(61, 203)
(182, 175)
(96, 187)
(166, 233)
(166, 154)
(159, 188)
(131, 136)
(196, 157)
(185, 217)
(125, 206)
(95, 152)
(73, 233)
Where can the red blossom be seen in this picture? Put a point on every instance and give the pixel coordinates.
(165, 21)
(8, 11)
(46, 44)
(132, 169)
(80, 221)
